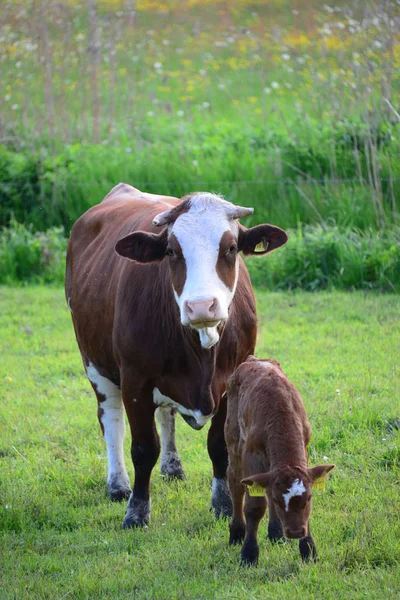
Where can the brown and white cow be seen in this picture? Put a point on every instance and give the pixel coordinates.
(267, 433)
(163, 312)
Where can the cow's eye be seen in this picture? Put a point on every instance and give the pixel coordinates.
(169, 252)
(232, 249)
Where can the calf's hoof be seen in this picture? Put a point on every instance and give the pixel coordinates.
(221, 502)
(275, 532)
(137, 513)
(249, 554)
(236, 534)
(308, 551)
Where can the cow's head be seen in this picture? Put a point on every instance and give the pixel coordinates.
(290, 491)
(201, 241)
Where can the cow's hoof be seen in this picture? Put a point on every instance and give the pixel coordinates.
(275, 533)
(308, 551)
(221, 503)
(249, 554)
(137, 513)
(129, 523)
(117, 495)
(118, 488)
(171, 468)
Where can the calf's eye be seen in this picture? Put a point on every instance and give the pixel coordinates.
(232, 249)
(169, 252)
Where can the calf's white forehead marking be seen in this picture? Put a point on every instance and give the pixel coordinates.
(297, 489)
(160, 400)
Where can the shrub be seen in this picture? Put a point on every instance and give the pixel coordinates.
(31, 256)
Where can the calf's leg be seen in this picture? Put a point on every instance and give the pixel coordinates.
(171, 466)
(275, 531)
(307, 547)
(237, 525)
(254, 511)
(111, 417)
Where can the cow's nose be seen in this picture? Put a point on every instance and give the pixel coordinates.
(202, 310)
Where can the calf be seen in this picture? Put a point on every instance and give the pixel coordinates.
(267, 433)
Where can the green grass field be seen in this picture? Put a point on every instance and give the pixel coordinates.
(61, 537)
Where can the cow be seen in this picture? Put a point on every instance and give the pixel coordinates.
(267, 433)
(163, 312)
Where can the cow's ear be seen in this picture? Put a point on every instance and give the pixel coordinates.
(261, 239)
(143, 247)
(262, 479)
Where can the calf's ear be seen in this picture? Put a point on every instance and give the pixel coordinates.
(262, 479)
(261, 239)
(143, 247)
(319, 471)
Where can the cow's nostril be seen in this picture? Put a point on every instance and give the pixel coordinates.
(202, 309)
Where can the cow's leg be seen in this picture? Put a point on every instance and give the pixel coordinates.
(307, 547)
(145, 450)
(221, 502)
(275, 531)
(237, 489)
(171, 466)
(110, 413)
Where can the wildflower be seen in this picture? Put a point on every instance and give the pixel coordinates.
(286, 56)
(337, 391)
(158, 65)
(340, 25)
(180, 113)
(195, 163)
(376, 44)
(205, 104)
(275, 85)
(325, 458)
(203, 72)
(166, 42)
(221, 86)
(128, 150)
(150, 113)
(15, 107)
(253, 99)
(267, 90)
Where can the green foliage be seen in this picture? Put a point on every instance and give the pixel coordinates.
(321, 257)
(61, 536)
(303, 178)
(31, 256)
(315, 257)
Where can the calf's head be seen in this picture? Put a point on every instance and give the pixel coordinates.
(290, 491)
(201, 240)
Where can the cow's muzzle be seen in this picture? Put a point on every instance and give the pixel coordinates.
(192, 422)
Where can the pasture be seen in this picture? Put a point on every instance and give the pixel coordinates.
(61, 536)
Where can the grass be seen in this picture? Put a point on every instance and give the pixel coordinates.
(293, 110)
(61, 537)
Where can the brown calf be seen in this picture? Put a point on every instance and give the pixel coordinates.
(267, 433)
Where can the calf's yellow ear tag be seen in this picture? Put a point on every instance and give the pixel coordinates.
(320, 483)
(262, 246)
(256, 490)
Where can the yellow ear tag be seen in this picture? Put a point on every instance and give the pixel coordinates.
(320, 483)
(261, 246)
(256, 490)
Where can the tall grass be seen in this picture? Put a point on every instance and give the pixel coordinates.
(315, 258)
(291, 109)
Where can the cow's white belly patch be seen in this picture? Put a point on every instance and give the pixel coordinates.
(160, 400)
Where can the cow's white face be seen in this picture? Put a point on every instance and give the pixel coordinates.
(201, 243)
(202, 253)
